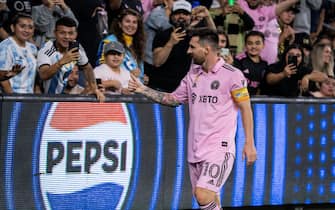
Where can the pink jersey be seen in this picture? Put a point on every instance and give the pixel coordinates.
(272, 33)
(212, 108)
(265, 22)
(261, 15)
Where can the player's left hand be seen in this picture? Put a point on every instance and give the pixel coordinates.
(249, 152)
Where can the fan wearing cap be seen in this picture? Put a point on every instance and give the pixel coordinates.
(128, 30)
(170, 49)
(114, 79)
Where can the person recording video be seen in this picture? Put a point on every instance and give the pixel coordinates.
(57, 59)
(284, 77)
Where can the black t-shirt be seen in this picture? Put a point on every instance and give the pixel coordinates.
(168, 76)
(254, 72)
(87, 31)
(288, 87)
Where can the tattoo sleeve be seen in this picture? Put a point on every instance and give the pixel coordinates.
(160, 97)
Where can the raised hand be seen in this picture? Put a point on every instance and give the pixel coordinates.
(133, 84)
(177, 35)
(290, 70)
(69, 56)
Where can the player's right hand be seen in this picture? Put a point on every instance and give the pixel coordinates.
(133, 84)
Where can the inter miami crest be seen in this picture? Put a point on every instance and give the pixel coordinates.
(215, 85)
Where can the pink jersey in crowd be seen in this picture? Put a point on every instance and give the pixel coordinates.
(213, 112)
(265, 22)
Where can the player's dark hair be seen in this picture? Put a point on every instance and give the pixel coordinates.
(206, 35)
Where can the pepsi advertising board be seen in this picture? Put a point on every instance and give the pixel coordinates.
(84, 155)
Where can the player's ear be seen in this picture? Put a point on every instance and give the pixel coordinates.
(206, 50)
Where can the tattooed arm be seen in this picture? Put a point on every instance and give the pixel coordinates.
(157, 96)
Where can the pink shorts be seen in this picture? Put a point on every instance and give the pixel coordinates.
(211, 173)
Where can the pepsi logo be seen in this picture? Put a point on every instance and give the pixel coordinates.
(86, 156)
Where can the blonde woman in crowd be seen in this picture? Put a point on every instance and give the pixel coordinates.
(323, 67)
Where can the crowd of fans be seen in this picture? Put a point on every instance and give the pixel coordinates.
(283, 47)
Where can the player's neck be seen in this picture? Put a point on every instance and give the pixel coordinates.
(210, 62)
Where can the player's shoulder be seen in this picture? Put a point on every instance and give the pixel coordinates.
(230, 68)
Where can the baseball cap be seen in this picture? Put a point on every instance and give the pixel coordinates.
(114, 46)
(181, 5)
(3, 1)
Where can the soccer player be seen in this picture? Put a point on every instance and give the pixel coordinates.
(214, 91)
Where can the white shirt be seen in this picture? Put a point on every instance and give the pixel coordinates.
(104, 72)
(48, 55)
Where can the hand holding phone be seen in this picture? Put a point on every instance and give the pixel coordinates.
(98, 81)
(99, 84)
(181, 25)
(74, 44)
(224, 52)
(292, 59)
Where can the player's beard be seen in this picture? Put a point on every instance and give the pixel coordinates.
(199, 60)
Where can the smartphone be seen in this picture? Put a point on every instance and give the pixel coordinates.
(224, 51)
(98, 81)
(292, 59)
(74, 44)
(231, 2)
(181, 26)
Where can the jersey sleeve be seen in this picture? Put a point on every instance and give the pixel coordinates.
(181, 93)
(6, 58)
(239, 89)
(83, 60)
(43, 58)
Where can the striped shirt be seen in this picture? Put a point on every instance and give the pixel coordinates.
(11, 54)
(48, 55)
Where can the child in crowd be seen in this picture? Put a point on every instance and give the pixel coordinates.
(114, 79)
(128, 30)
(251, 63)
(72, 85)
